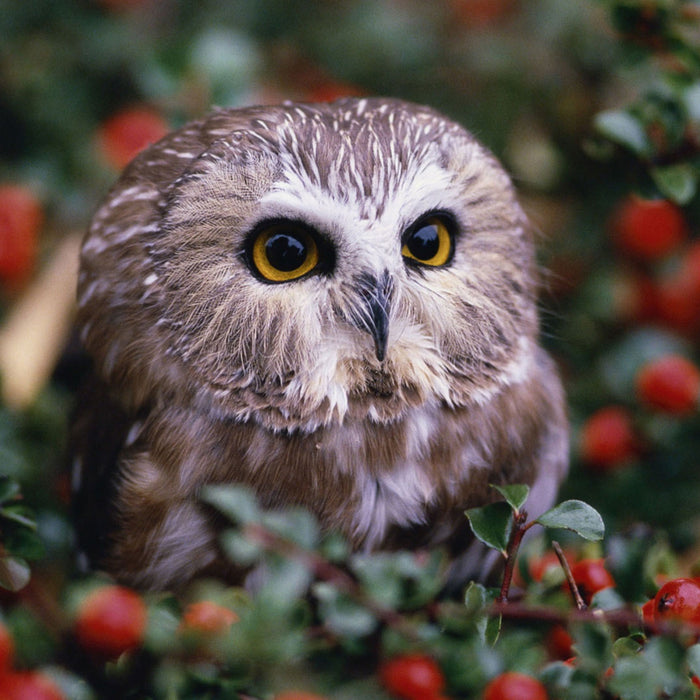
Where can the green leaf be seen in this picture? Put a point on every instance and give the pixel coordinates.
(381, 576)
(20, 514)
(341, 614)
(623, 129)
(475, 597)
(284, 581)
(593, 646)
(476, 600)
(296, 525)
(492, 524)
(14, 573)
(161, 631)
(24, 543)
(607, 599)
(515, 494)
(9, 489)
(626, 646)
(576, 516)
(400, 579)
(693, 658)
(240, 549)
(691, 101)
(238, 503)
(678, 182)
(334, 547)
(655, 671)
(489, 628)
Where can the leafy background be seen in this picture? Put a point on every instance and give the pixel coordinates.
(585, 102)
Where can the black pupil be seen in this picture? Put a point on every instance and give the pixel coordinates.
(285, 251)
(424, 243)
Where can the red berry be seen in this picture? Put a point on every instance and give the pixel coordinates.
(678, 599)
(128, 132)
(671, 384)
(559, 643)
(591, 576)
(607, 438)
(207, 617)
(7, 648)
(21, 217)
(512, 685)
(28, 685)
(329, 90)
(481, 13)
(539, 567)
(648, 612)
(413, 677)
(111, 621)
(649, 229)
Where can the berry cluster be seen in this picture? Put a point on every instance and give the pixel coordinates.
(662, 290)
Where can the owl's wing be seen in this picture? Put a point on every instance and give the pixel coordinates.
(100, 429)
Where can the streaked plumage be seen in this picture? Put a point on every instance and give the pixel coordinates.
(382, 393)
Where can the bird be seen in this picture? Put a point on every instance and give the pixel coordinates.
(334, 305)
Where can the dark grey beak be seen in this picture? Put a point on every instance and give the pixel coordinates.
(373, 317)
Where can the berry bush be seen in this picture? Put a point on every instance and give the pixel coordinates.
(594, 107)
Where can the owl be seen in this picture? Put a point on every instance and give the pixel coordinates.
(331, 304)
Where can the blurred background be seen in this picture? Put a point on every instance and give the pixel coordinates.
(593, 106)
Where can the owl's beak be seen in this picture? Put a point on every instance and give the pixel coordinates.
(376, 295)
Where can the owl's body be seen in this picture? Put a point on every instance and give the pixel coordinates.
(333, 304)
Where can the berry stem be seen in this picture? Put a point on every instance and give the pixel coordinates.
(580, 605)
(516, 537)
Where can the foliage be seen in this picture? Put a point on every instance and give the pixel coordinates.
(594, 106)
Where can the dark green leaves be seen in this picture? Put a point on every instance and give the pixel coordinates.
(20, 540)
(493, 524)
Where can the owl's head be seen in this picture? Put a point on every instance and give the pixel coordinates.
(298, 264)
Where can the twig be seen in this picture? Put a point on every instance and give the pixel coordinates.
(580, 605)
(516, 537)
(621, 617)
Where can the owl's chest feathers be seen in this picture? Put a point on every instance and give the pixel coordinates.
(363, 478)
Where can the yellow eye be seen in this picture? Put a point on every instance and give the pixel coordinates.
(284, 252)
(428, 243)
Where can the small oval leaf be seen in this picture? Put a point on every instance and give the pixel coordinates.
(237, 503)
(515, 494)
(576, 516)
(492, 524)
(678, 182)
(9, 489)
(693, 658)
(623, 129)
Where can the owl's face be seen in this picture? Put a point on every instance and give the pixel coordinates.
(300, 264)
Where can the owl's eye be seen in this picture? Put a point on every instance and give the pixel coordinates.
(428, 242)
(284, 252)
